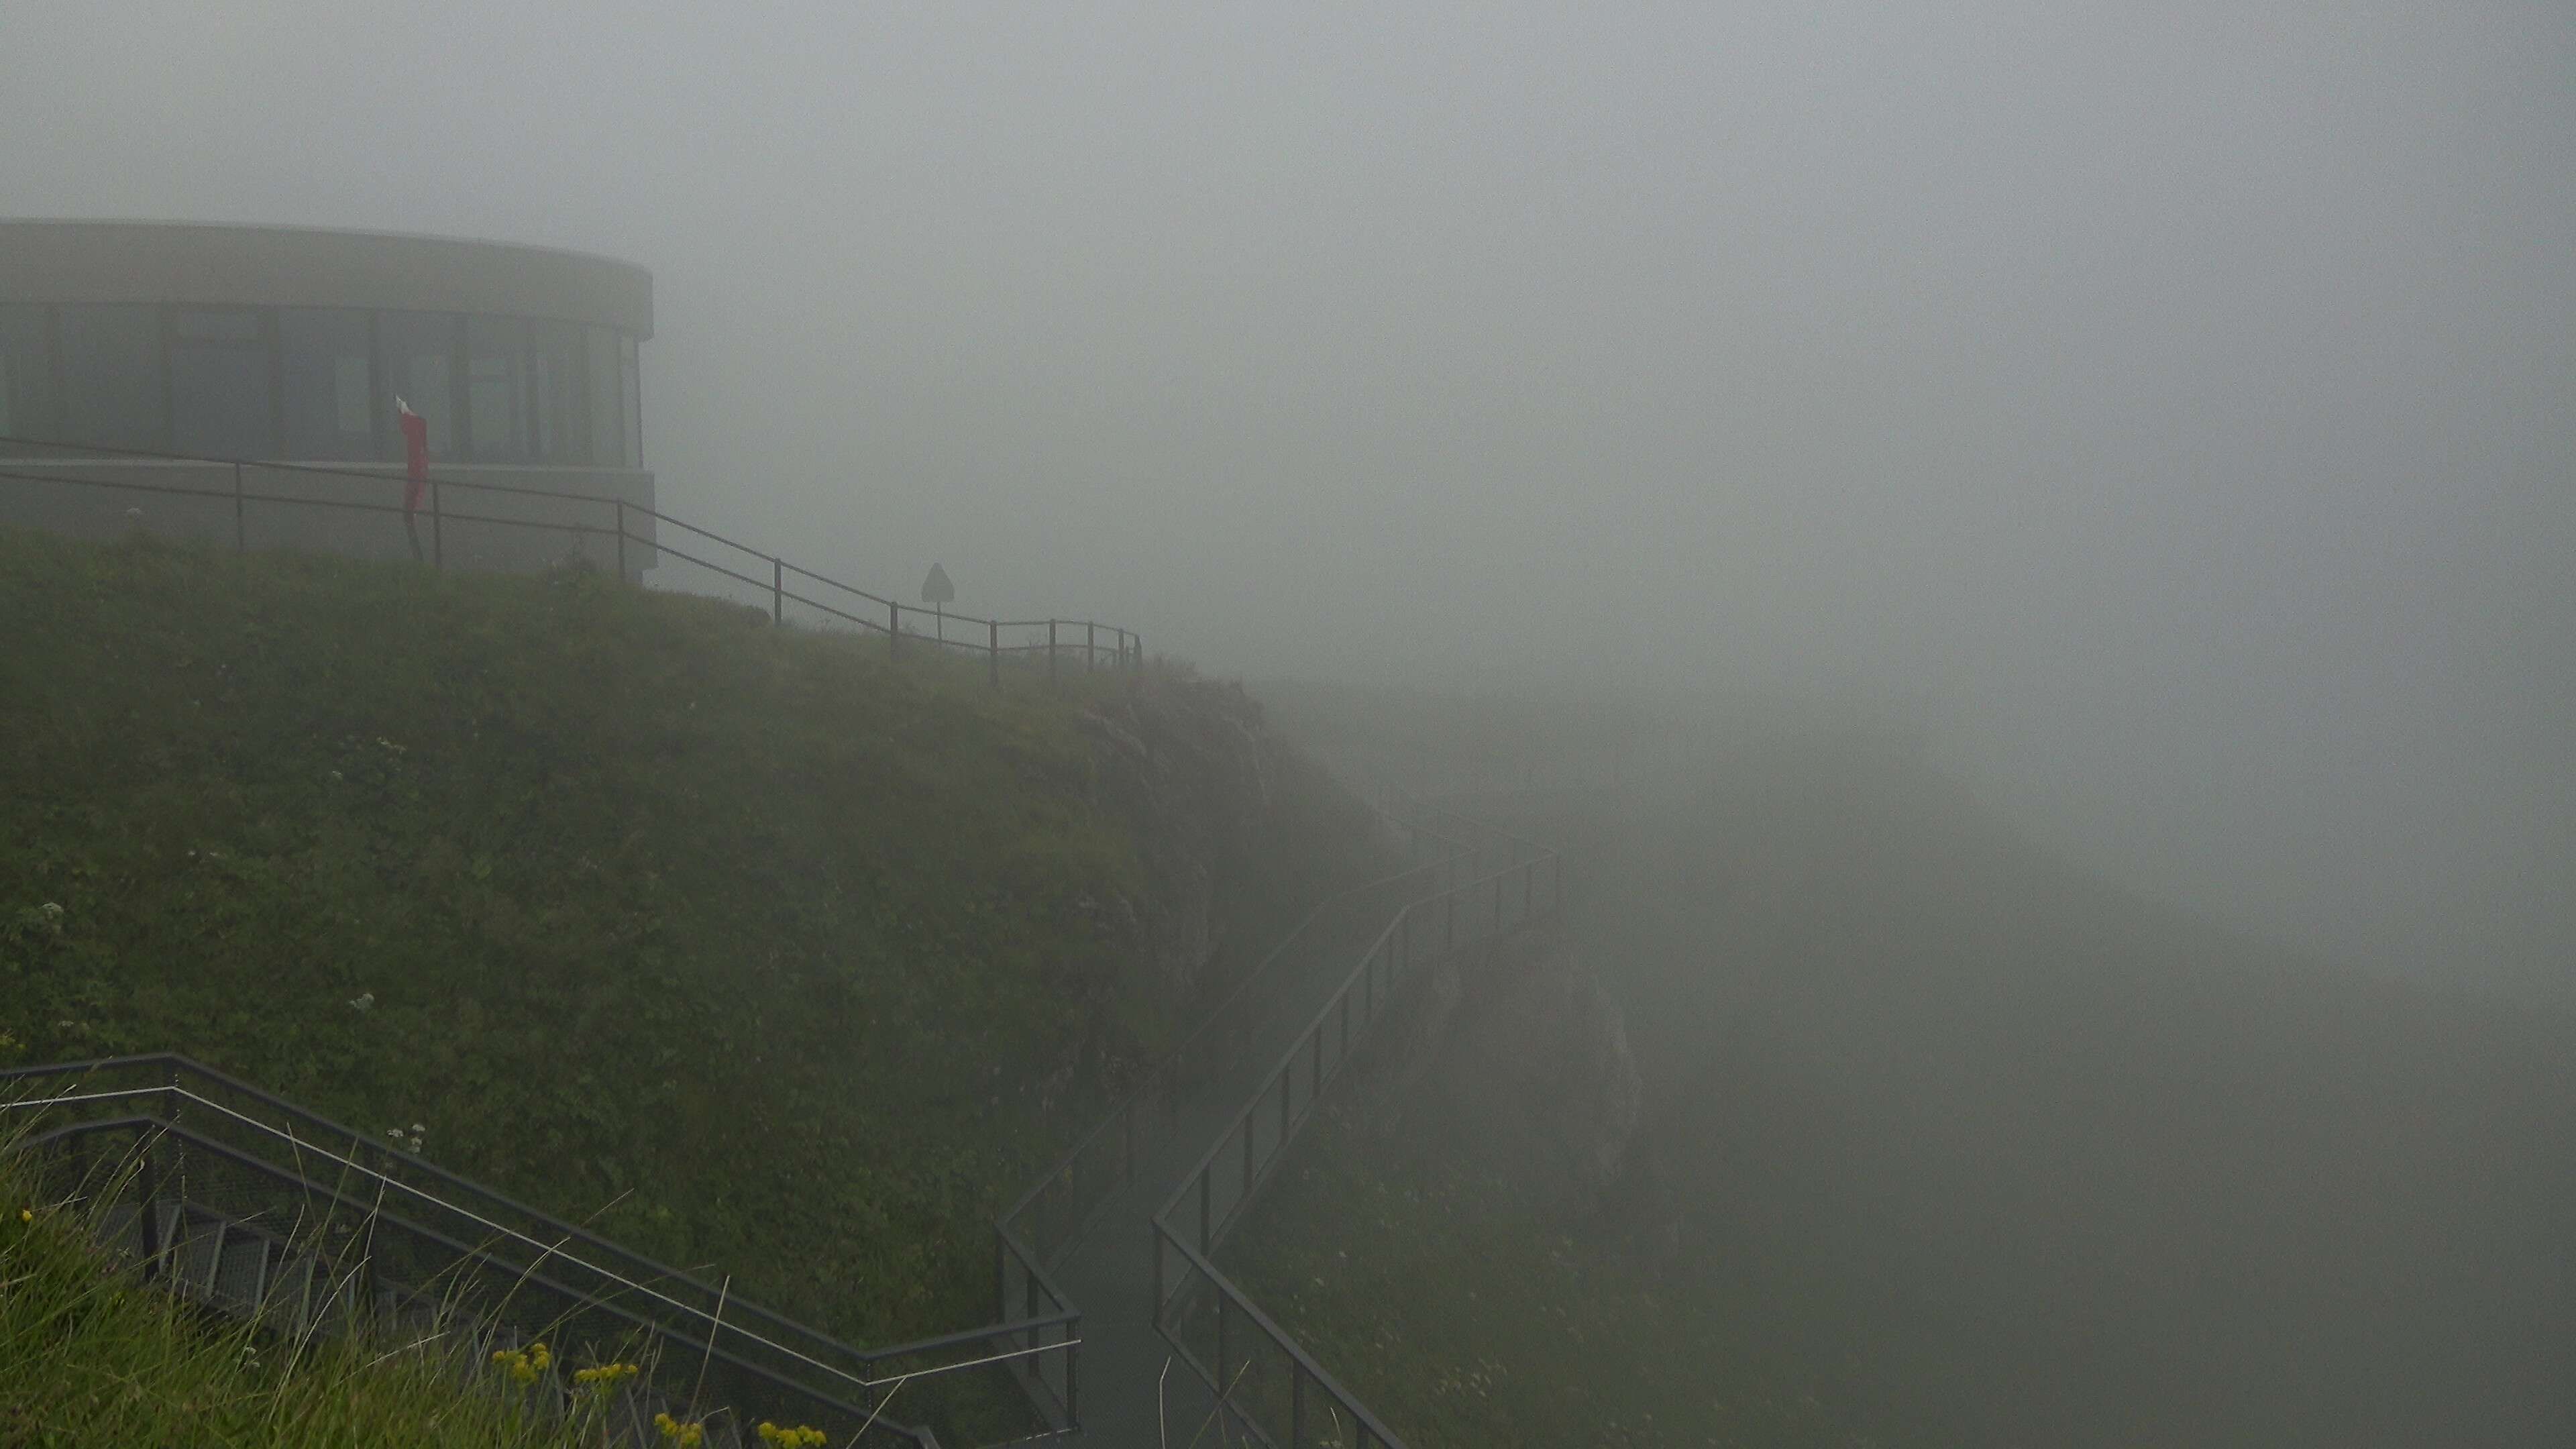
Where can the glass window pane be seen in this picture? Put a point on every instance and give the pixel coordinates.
(607, 434)
(554, 354)
(634, 406)
(26, 375)
(419, 351)
(496, 383)
(219, 403)
(229, 324)
(112, 376)
(330, 383)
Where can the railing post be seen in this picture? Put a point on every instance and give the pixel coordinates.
(993, 651)
(621, 540)
(894, 630)
(1090, 646)
(241, 534)
(1220, 1350)
(777, 591)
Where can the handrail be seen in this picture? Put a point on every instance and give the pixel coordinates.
(375, 1214)
(1127, 644)
(1392, 954)
(716, 1319)
(1162, 1079)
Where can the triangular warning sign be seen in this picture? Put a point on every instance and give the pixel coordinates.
(936, 589)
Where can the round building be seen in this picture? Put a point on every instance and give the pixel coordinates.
(156, 361)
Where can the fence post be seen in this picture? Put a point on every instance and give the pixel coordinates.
(993, 651)
(894, 630)
(777, 591)
(437, 528)
(621, 540)
(1090, 646)
(241, 536)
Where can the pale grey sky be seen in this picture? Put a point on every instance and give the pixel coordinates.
(2177, 396)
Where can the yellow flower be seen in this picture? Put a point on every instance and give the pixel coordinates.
(606, 1374)
(26, 1215)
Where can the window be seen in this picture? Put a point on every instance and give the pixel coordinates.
(496, 384)
(634, 406)
(111, 358)
(219, 385)
(329, 379)
(27, 376)
(419, 367)
(607, 433)
(554, 363)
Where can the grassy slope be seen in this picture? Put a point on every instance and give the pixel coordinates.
(1466, 1313)
(1973, 1149)
(88, 1357)
(747, 933)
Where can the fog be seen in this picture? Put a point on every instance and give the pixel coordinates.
(2171, 402)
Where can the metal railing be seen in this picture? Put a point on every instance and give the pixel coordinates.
(1065, 1203)
(463, 517)
(267, 1157)
(1263, 1381)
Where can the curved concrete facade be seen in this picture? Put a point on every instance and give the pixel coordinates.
(125, 261)
(120, 340)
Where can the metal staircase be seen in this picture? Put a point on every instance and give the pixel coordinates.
(251, 1208)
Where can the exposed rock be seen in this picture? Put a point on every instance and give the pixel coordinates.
(1523, 1041)
(1213, 796)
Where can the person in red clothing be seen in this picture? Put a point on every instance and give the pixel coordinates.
(415, 431)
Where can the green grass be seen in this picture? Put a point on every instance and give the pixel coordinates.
(1451, 1301)
(763, 953)
(89, 1356)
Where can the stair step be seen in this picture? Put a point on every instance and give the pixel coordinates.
(240, 1275)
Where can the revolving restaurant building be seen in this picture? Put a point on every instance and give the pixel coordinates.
(290, 345)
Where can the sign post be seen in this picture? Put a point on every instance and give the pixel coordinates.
(938, 593)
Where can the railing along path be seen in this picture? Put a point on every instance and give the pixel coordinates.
(218, 495)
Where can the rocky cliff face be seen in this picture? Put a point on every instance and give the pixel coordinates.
(1523, 1047)
(1235, 827)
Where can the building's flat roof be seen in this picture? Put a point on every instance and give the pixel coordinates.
(104, 260)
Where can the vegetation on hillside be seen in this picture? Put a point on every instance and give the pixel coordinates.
(1964, 1147)
(89, 1356)
(1468, 1313)
(758, 951)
